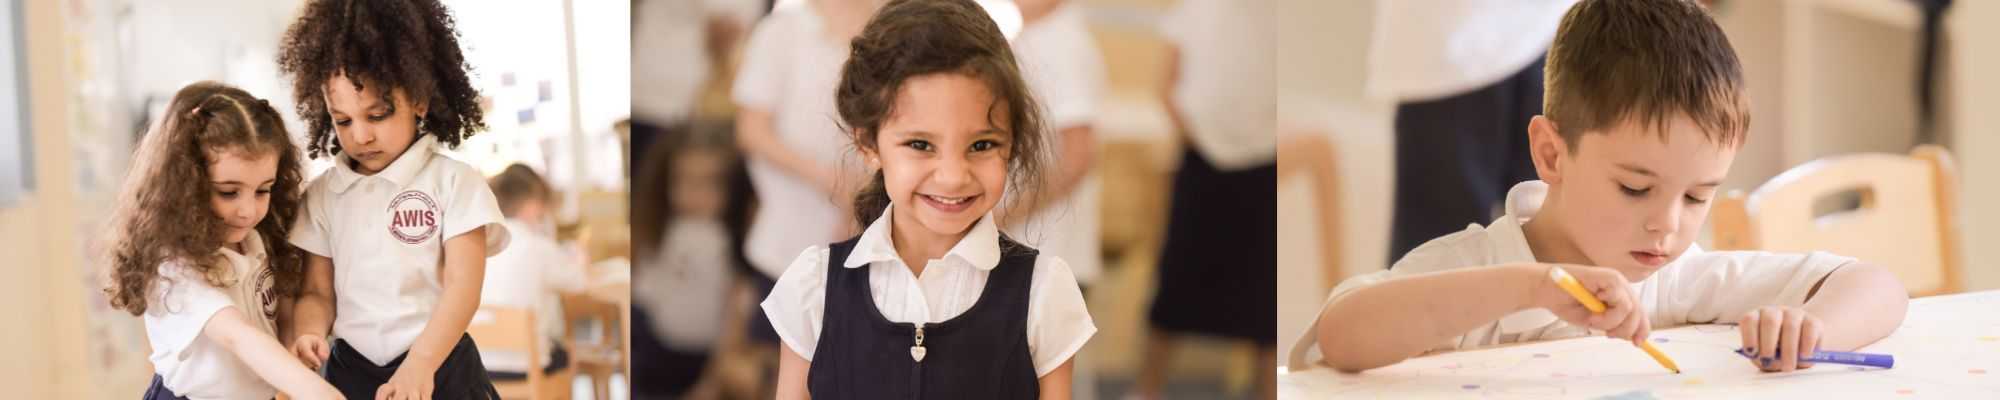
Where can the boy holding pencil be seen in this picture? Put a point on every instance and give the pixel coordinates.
(1644, 111)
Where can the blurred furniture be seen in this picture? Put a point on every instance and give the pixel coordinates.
(1312, 154)
(1904, 221)
(598, 338)
(512, 329)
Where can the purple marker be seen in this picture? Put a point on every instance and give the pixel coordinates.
(1840, 357)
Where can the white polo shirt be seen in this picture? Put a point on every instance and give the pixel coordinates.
(1064, 69)
(181, 303)
(790, 67)
(386, 234)
(1429, 49)
(1058, 323)
(533, 272)
(1226, 92)
(1696, 288)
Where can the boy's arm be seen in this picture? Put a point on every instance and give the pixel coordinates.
(261, 352)
(1860, 303)
(1384, 323)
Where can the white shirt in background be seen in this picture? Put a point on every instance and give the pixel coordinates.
(1065, 70)
(1429, 49)
(670, 61)
(1226, 92)
(1058, 323)
(1696, 288)
(180, 304)
(683, 288)
(386, 234)
(533, 273)
(790, 68)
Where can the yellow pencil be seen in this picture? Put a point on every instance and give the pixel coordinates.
(1575, 289)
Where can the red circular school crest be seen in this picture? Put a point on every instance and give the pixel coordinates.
(413, 217)
(267, 293)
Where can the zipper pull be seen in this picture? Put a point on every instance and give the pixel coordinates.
(917, 351)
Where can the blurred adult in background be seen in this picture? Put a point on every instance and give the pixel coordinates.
(1065, 70)
(1219, 261)
(1466, 76)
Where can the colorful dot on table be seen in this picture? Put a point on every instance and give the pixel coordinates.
(1470, 387)
(1660, 340)
(1693, 381)
(1857, 368)
(1541, 355)
(1976, 371)
(1905, 391)
(1558, 375)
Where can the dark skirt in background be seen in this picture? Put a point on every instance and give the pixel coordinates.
(1457, 156)
(1219, 262)
(660, 372)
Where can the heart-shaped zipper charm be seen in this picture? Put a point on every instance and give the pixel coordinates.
(917, 353)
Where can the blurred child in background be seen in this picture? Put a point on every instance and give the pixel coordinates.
(533, 272)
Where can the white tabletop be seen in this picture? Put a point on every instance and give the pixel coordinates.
(1947, 347)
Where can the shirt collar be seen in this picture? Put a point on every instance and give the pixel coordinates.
(401, 171)
(253, 249)
(1509, 243)
(980, 247)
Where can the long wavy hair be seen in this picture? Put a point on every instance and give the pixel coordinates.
(164, 212)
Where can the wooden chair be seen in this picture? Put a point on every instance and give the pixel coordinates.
(597, 356)
(1906, 218)
(512, 329)
(1312, 154)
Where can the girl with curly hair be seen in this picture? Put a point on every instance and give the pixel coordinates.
(198, 249)
(398, 234)
(932, 300)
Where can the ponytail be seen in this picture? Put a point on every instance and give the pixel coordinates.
(871, 201)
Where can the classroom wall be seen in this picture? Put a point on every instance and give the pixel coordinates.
(45, 356)
(1976, 95)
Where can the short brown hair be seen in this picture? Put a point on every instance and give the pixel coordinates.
(517, 185)
(1644, 60)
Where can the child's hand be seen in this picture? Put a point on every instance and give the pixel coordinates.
(409, 383)
(1779, 335)
(311, 349)
(1621, 319)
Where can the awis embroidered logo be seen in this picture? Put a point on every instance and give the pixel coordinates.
(413, 217)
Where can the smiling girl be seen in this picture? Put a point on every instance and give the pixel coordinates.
(932, 300)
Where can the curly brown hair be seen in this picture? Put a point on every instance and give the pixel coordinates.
(909, 38)
(397, 44)
(163, 212)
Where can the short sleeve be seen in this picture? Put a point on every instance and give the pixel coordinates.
(797, 304)
(760, 80)
(180, 305)
(472, 206)
(310, 231)
(1720, 286)
(1058, 322)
